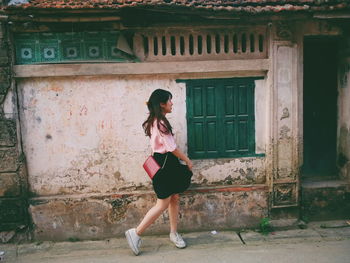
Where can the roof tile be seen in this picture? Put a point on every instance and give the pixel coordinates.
(248, 6)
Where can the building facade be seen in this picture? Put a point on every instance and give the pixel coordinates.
(261, 104)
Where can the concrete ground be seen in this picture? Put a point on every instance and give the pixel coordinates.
(314, 244)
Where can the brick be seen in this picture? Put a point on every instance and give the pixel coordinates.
(4, 61)
(8, 136)
(12, 211)
(3, 50)
(8, 159)
(325, 201)
(4, 86)
(4, 71)
(4, 78)
(9, 185)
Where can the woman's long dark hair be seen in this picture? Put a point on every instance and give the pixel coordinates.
(155, 112)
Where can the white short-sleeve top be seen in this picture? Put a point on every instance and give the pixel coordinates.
(160, 142)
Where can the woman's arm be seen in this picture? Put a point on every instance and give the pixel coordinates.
(179, 154)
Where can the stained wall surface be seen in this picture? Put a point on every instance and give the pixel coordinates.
(84, 135)
(85, 147)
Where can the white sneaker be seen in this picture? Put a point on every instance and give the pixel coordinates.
(176, 238)
(134, 240)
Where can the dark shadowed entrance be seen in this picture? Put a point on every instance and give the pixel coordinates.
(320, 107)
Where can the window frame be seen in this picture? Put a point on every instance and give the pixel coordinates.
(221, 143)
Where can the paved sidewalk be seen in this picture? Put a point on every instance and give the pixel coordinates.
(314, 244)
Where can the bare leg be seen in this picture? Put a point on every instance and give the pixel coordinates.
(153, 214)
(174, 212)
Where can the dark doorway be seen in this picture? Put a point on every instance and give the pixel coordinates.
(320, 107)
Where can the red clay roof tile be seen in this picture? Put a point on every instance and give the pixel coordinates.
(248, 6)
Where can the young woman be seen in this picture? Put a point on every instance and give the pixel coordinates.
(172, 179)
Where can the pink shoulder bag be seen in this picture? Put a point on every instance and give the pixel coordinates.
(152, 167)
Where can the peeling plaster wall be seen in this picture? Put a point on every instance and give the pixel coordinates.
(261, 114)
(230, 171)
(100, 217)
(85, 147)
(83, 135)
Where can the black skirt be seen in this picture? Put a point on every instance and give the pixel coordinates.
(174, 178)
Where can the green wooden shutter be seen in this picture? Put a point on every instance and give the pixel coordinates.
(202, 119)
(238, 117)
(220, 117)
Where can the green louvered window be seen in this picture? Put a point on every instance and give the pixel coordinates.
(220, 118)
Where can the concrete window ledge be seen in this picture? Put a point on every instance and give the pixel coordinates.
(254, 67)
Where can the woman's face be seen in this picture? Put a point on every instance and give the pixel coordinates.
(167, 107)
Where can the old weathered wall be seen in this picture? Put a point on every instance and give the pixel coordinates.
(84, 135)
(81, 130)
(285, 114)
(13, 181)
(85, 217)
(85, 149)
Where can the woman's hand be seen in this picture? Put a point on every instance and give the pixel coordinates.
(179, 154)
(189, 164)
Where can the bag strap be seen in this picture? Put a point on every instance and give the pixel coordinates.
(166, 157)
